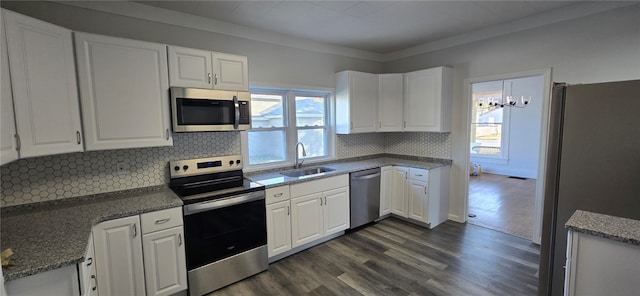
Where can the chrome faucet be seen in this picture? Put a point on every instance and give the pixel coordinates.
(298, 161)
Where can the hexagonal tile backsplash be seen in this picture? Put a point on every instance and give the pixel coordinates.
(77, 174)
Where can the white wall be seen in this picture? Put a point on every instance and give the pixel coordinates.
(596, 48)
(269, 64)
(523, 136)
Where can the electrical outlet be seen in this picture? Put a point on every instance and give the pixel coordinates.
(122, 168)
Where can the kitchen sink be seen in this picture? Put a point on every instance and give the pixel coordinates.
(307, 172)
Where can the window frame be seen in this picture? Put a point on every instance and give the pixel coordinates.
(503, 157)
(291, 129)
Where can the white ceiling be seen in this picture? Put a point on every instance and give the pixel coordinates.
(373, 26)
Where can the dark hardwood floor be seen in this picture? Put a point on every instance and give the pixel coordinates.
(393, 257)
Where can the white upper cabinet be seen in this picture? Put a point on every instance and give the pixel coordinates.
(390, 102)
(124, 91)
(427, 100)
(190, 67)
(230, 72)
(43, 80)
(356, 102)
(8, 147)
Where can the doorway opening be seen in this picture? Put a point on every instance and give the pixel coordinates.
(505, 144)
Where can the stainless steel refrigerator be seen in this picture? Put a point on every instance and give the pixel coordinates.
(593, 164)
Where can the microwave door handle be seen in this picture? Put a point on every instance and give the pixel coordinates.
(237, 107)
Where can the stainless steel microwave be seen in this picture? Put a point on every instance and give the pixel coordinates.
(207, 110)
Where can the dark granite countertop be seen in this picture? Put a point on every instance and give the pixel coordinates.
(273, 178)
(50, 235)
(610, 227)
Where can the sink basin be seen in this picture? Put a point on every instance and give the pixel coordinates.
(307, 172)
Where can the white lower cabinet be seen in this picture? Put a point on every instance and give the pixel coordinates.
(164, 261)
(141, 259)
(87, 272)
(386, 190)
(600, 266)
(319, 208)
(306, 219)
(61, 281)
(118, 254)
(421, 195)
(278, 227)
(399, 191)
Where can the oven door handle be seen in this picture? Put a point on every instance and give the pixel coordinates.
(222, 203)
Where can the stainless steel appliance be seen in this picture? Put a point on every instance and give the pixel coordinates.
(364, 193)
(593, 164)
(224, 221)
(206, 110)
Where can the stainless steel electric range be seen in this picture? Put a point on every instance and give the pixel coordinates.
(224, 221)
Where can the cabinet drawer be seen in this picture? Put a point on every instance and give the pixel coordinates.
(277, 194)
(321, 185)
(162, 219)
(418, 174)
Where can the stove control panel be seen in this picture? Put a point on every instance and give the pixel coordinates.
(199, 166)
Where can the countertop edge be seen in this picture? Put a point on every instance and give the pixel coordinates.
(10, 275)
(605, 226)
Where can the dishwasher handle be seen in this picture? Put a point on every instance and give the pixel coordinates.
(366, 177)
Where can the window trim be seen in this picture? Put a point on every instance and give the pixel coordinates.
(503, 157)
(290, 127)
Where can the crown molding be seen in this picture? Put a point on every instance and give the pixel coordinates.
(161, 15)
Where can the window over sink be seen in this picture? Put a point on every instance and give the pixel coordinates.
(280, 118)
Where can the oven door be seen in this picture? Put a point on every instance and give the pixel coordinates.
(219, 229)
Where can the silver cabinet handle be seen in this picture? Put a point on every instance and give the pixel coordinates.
(89, 261)
(95, 286)
(418, 175)
(168, 134)
(278, 195)
(135, 230)
(162, 221)
(78, 137)
(18, 143)
(425, 189)
(215, 79)
(288, 211)
(325, 200)
(209, 74)
(179, 239)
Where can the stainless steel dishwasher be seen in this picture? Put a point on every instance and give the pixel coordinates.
(365, 196)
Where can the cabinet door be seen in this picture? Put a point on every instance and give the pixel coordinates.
(165, 266)
(390, 102)
(399, 184)
(427, 100)
(418, 200)
(8, 151)
(278, 227)
(386, 190)
(44, 86)
(190, 67)
(118, 255)
(87, 272)
(124, 90)
(230, 72)
(336, 210)
(306, 219)
(356, 102)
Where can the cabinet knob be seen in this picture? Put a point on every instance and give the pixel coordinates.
(209, 74)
